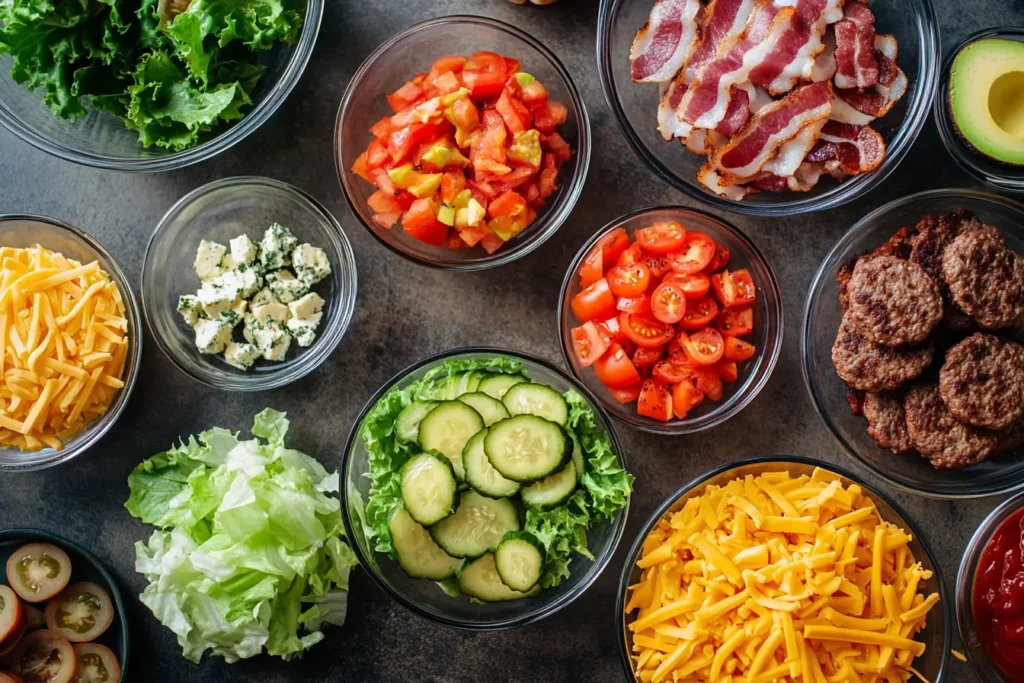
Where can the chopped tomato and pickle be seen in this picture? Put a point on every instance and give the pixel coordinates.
(470, 155)
(662, 318)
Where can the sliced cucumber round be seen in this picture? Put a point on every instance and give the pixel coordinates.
(496, 384)
(526, 448)
(481, 475)
(536, 399)
(578, 458)
(477, 526)
(552, 491)
(447, 428)
(428, 488)
(407, 424)
(490, 409)
(519, 560)
(480, 580)
(451, 388)
(418, 555)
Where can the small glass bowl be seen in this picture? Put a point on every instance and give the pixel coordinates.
(936, 635)
(220, 211)
(415, 49)
(101, 140)
(979, 659)
(424, 597)
(821, 321)
(635, 105)
(1001, 176)
(18, 230)
(768, 322)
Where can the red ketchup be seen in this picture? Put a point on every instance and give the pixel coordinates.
(999, 597)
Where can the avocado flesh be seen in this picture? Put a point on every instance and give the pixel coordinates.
(986, 98)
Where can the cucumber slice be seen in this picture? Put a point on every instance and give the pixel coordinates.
(418, 555)
(447, 428)
(428, 488)
(495, 384)
(519, 561)
(480, 580)
(477, 526)
(552, 491)
(481, 475)
(526, 448)
(407, 424)
(453, 387)
(578, 459)
(490, 409)
(536, 399)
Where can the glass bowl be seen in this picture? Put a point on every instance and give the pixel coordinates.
(18, 230)
(220, 211)
(979, 659)
(1000, 176)
(415, 49)
(634, 106)
(936, 636)
(101, 140)
(768, 322)
(425, 598)
(821, 321)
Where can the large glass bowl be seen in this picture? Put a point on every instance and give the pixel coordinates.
(414, 50)
(821, 321)
(936, 636)
(635, 105)
(768, 322)
(26, 231)
(424, 597)
(101, 140)
(221, 211)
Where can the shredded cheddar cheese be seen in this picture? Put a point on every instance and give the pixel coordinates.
(778, 578)
(63, 346)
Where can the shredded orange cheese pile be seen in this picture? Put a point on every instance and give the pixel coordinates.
(62, 348)
(778, 578)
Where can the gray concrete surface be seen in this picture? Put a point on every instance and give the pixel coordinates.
(405, 313)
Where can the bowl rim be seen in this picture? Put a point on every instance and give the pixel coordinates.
(738, 401)
(701, 479)
(225, 140)
(618, 523)
(115, 590)
(76, 448)
(1012, 179)
(311, 359)
(548, 221)
(917, 113)
(814, 291)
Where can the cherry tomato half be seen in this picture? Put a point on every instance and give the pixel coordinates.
(634, 304)
(736, 321)
(662, 237)
(613, 244)
(685, 397)
(589, 343)
(82, 612)
(734, 289)
(727, 370)
(592, 268)
(38, 571)
(719, 260)
(668, 303)
(673, 371)
(657, 263)
(44, 657)
(630, 255)
(626, 395)
(615, 369)
(738, 350)
(694, 286)
(704, 347)
(655, 401)
(709, 383)
(594, 303)
(611, 331)
(699, 313)
(631, 280)
(644, 330)
(696, 253)
(648, 355)
(96, 664)
(12, 613)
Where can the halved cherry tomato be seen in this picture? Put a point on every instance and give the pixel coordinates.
(631, 280)
(626, 395)
(43, 656)
(685, 397)
(699, 313)
(38, 571)
(675, 351)
(736, 321)
(485, 74)
(696, 253)
(592, 268)
(96, 664)
(668, 303)
(645, 330)
(719, 260)
(594, 303)
(673, 371)
(420, 221)
(589, 343)
(738, 350)
(709, 383)
(82, 612)
(12, 613)
(704, 347)
(630, 255)
(727, 370)
(662, 237)
(405, 97)
(648, 355)
(657, 263)
(734, 289)
(694, 286)
(655, 401)
(615, 369)
(634, 304)
(612, 245)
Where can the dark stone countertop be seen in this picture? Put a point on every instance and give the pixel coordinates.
(397, 323)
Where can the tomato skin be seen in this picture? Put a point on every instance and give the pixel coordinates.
(513, 113)
(635, 304)
(402, 142)
(696, 253)
(645, 355)
(657, 264)
(705, 347)
(627, 394)
(588, 343)
(453, 63)
(629, 281)
(668, 303)
(592, 268)
(719, 260)
(615, 369)
(699, 313)
(452, 183)
(485, 74)
(594, 303)
(612, 245)
(736, 321)
(727, 370)
(694, 286)
(508, 203)
(548, 116)
(663, 237)
(685, 397)
(644, 330)
(709, 383)
(736, 349)
(655, 401)
(534, 94)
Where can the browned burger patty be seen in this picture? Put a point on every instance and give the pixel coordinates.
(982, 381)
(985, 278)
(887, 424)
(934, 234)
(867, 366)
(892, 301)
(940, 437)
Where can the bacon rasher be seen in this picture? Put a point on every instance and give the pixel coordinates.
(663, 44)
(855, 48)
(857, 149)
(793, 57)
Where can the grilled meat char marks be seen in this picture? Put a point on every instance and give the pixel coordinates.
(939, 436)
(892, 301)
(985, 278)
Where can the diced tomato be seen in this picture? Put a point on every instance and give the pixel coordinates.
(360, 168)
(629, 281)
(386, 220)
(734, 289)
(446, 83)
(425, 112)
(452, 183)
(465, 115)
(474, 235)
(655, 401)
(491, 242)
(736, 321)
(615, 369)
(455, 241)
(518, 176)
(634, 304)
(709, 383)
(404, 199)
(727, 370)
(673, 371)
(383, 128)
(483, 191)
(668, 303)
(644, 330)
(506, 204)
(557, 145)
(592, 268)
(588, 343)
(704, 347)
(613, 244)
(631, 254)
(693, 286)
(512, 66)
(548, 176)
(657, 263)
(719, 260)
(738, 350)
(532, 195)
(382, 202)
(594, 303)
(376, 154)
(610, 328)
(488, 151)
(420, 221)
(484, 74)
(382, 181)
(533, 94)
(547, 116)
(402, 142)
(648, 355)
(663, 237)
(685, 397)
(515, 115)
(696, 253)
(407, 96)
(699, 313)
(453, 63)
(626, 395)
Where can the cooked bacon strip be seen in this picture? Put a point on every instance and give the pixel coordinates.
(886, 51)
(793, 57)
(871, 104)
(857, 149)
(738, 113)
(855, 51)
(825, 63)
(792, 153)
(662, 44)
(671, 95)
(806, 177)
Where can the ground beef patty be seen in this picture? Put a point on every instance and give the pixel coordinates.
(932, 235)
(892, 301)
(985, 278)
(982, 381)
(867, 366)
(898, 245)
(886, 423)
(940, 437)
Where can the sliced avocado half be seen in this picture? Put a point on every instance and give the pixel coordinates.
(986, 98)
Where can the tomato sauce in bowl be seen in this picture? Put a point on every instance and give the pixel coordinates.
(998, 597)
